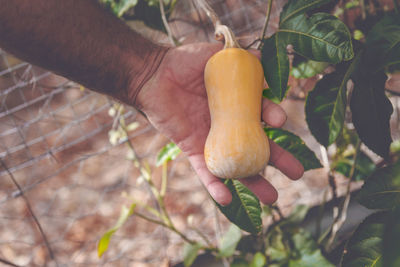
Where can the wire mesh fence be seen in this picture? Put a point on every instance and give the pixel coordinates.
(54, 144)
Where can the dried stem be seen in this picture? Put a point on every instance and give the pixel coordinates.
(165, 22)
(342, 213)
(268, 16)
(164, 179)
(28, 205)
(252, 43)
(203, 4)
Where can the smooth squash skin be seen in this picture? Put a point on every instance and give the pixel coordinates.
(236, 145)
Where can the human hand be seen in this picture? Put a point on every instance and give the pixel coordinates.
(175, 102)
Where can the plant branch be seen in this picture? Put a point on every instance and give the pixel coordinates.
(252, 43)
(203, 4)
(203, 236)
(28, 205)
(342, 213)
(264, 30)
(163, 224)
(164, 179)
(363, 11)
(165, 22)
(149, 219)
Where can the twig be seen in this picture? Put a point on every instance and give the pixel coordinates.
(9, 263)
(332, 184)
(363, 12)
(163, 224)
(203, 4)
(165, 22)
(164, 179)
(203, 236)
(342, 214)
(28, 205)
(265, 24)
(202, 24)
(252, 43)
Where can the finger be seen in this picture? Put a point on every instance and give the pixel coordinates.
(217, 189)
(265, 192)
(285, 162)
(273, 114)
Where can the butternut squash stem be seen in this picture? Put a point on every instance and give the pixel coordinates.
(229, 36)
(222, 32)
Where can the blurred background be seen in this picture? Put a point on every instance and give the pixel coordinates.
(55, 143)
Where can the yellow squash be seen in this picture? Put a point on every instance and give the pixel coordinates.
(236, 146)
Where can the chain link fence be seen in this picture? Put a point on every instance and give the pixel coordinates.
(58, 164)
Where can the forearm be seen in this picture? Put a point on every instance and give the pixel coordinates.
(81, 41)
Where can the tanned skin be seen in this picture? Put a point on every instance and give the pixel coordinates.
(80, 40)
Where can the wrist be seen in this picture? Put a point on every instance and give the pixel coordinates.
(150, 63)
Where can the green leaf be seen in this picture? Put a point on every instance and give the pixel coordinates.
(258, 260)
(167, 153)
(294, 8)
(383, 43)
(382, 189)
(239, 263)
(395, 147)
(391, 237)
(294, 145)
(276, 249)
(346, 138)
(363, 169)
(321, 37)
(371, 110)
(267, 93)
(370, 107)
(190, 253)
(229, 241)
(122, 6)
(364, 247)
(326, 106)
(245, 209)
(309, 255)
(276, 65)
(352, 4)
(308, 69)
(105, 239)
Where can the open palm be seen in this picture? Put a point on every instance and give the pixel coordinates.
(175, 102)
